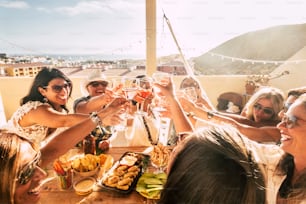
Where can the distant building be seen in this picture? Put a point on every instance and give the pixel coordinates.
(23, 69)
(174, 67)
(3, 56)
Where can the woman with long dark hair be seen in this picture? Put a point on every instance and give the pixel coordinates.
(43, 110)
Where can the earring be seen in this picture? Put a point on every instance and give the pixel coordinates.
(45, 100)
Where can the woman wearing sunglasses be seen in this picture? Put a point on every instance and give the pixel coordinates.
(261, 110)
(283, 166)
(263, 107)
(264, 134)
(21, 164)
(43, 110)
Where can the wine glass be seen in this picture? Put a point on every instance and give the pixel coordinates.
(126, 86)
(161, 78)
(130, 87)
(117, 86)
(145, 90)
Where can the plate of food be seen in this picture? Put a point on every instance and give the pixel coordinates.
(150, 185)
(124, 174)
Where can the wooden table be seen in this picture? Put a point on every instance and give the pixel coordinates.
(51, 195)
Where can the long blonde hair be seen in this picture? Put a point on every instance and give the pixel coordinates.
(274, 94)
(9, 165)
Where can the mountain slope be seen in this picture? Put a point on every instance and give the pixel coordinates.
(276, 43)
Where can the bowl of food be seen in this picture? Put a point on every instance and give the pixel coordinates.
(84, 186)
(87, 165)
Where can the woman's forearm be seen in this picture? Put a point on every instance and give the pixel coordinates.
(58, 145)
(180, 120)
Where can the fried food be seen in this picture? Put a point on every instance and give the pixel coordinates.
(133, 168)
(160, 155)
(122, 177)
(125, 181)
(87, 163)
(124, 187)
(122, 168)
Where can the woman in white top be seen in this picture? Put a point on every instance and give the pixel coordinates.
(43, 110)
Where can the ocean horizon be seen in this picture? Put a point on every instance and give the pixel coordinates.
(82, 57)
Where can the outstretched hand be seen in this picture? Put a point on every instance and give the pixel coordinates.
(165, 89)
(110, 115)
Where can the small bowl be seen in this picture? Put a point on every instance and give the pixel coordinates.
(87, 173)
(84, 186)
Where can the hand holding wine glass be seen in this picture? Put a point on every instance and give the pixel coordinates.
(130, 87)
(145, 91)
(117, 86)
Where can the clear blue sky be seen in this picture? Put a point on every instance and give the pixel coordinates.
(117, 27)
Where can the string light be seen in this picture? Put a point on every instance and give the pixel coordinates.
(252, 61)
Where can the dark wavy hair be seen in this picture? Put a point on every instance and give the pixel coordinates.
(292, 191)
(214, 165)
(42, 79)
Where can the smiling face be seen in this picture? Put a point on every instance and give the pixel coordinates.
(263, 110)
(96, 88)
(57, 92)
(28, 193)
(292, 128)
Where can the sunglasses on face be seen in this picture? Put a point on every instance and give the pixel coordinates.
(59, 88)
(267, 111)
(290, 121)
(27, 171)
(97, 83)
(286, 106)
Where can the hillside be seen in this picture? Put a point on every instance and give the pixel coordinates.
(276, 43)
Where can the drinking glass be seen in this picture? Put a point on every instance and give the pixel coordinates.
(130, 87)
(161, 78)
(145, 90)
(117, 85)
(158, 106)
(123, 124)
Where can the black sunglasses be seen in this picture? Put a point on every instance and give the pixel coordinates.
(97, 83)
(267, 111)
(27, 171)
(290, 120)
(59, 88)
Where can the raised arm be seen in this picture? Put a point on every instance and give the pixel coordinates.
(57, 145)
(259, 134)
(94, 103)
(180, 120)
